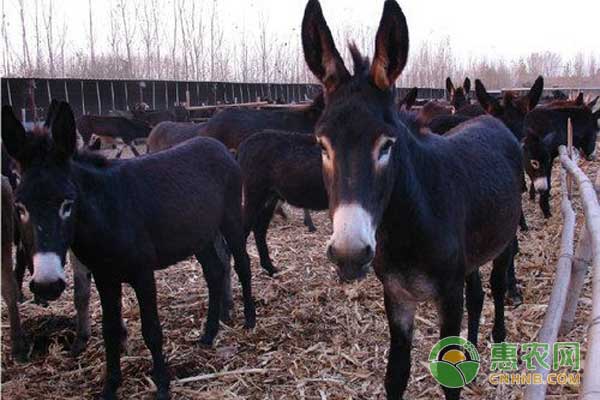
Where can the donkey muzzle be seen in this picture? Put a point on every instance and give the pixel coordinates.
(47, 291)
(48, 281)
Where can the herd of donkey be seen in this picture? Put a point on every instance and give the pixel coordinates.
(423, 197)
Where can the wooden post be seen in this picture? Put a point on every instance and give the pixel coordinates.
(581, 263)
(548, 333)
(66, 92)
(591, 384)
(187, 97)
(49, 91)
(99, 100)
(82, 98)
(9, 94)
(126, 96)
(570, 153)
(154, 95)
(112, 94)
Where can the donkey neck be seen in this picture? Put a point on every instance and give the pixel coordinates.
(410, 205)
(101, 212)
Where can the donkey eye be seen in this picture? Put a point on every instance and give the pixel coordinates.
(385, 148)
(65, 209)
(324, 152)
(22, 211)
(535, 164)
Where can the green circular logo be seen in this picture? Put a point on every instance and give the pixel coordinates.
(454, 362)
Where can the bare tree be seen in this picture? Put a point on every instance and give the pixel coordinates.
(26, 61)
(6, 49)
(158, 42)
(38, 39)
(49, 27)
(147, 38)
(91, 33)
(128, 34)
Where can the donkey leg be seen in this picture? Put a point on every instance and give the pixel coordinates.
(133, 149)
(225, 256)
(474, 296)
(523, 222)
(514, 293)
(81, 297)
(308, 222)
(400, 312)
(451, 311)
(545, 198)
(280, 211)
(545, 203)
(110, 298)
(532, 191)
(145, 290)
(10, 295)
(260, 236)
(498, 283)
(20, 268)
(214, 274)
(234, 234)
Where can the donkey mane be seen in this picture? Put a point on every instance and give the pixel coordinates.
(509, 97)
(361, 63)
(91, 158)
(41, 146)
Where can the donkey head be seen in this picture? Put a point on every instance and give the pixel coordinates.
(46, 197)
(537, 160)
(409, 100)
(356, 132)
(513, 108)
(459, 97)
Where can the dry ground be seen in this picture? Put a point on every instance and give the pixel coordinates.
(315, 338)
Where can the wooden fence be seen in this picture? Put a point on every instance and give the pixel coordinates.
(570, 275)
(99, 96)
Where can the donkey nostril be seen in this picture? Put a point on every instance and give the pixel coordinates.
(330, 253)
(368, 254)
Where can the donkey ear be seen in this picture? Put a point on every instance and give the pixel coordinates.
(449, 86)
(489, 103)
(391, 46)
(579, 99)
(320, 52)
(592, 104)
(467, 86)
(14, 137)
(64, 133)
(51, 111)
(535, 93)
(410, 99)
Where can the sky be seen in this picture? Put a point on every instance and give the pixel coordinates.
(506, 28)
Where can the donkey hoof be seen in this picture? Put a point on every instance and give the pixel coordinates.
(312, 229)
(547, 214)
(78, 346)
(514, 298)
(21, 356)
(108, 395)
(163, 394)
(207, 340)
(250, 319)
(271, 270)
(225, 315)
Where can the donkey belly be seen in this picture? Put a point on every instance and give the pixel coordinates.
(495, 229)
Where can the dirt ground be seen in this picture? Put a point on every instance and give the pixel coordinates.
(315, 338)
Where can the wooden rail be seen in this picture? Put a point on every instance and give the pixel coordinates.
(570, 275)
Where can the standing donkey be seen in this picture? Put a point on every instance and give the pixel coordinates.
(427, 211)
(124, 219)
